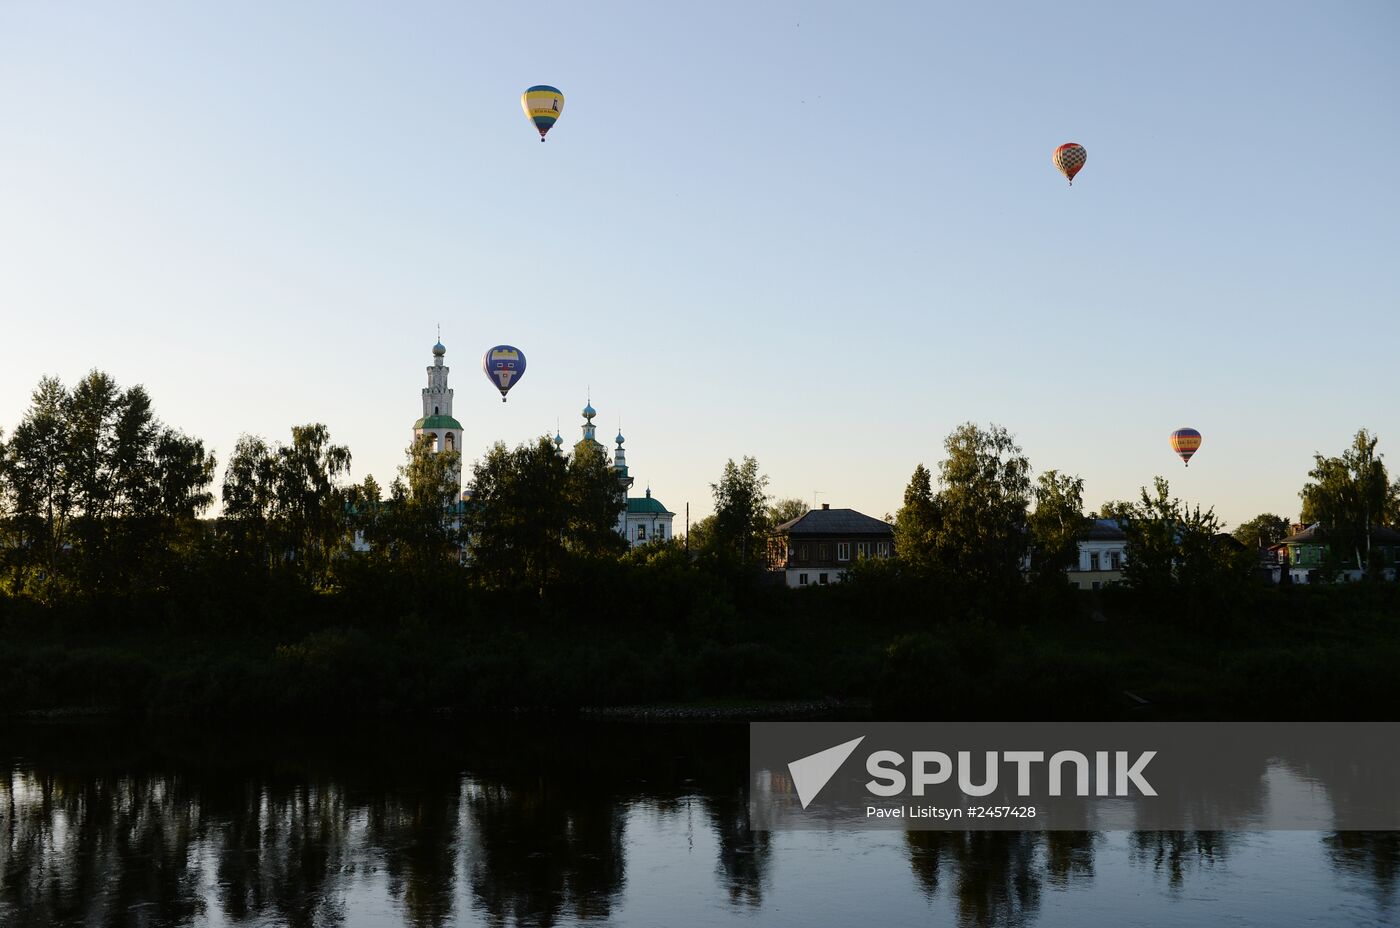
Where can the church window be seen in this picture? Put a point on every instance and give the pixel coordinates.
(435, 410)
(450, 443)
(641, 533)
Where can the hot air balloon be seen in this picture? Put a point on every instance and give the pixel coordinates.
(542, 104)
(504, 366)
(1186, 442)
(1068, 159)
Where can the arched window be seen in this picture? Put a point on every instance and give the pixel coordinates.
(451, 445)
(435, 410)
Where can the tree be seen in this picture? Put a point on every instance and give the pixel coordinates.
(249, 495)
(741, 514)
(593, 501)
(421, 529)
(785, 510)
(1262, 531)
(1173, 545)
(1349, 495)
(35, 470)
(1115, 509)
(367, 514)
(984, 492)
(916, 524)
(700, 536)
(100, 492)
(1056, 525)
(310, 501)
(284, 505)
(532, 511)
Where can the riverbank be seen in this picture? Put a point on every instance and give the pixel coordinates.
(1319, 654)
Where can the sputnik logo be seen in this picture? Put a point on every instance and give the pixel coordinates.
(811, 773)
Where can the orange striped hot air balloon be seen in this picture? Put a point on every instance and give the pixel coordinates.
(1186, 442)
(1068, 159)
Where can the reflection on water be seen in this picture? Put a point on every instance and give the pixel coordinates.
(535, 825)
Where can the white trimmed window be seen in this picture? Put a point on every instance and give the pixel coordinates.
(843, 551)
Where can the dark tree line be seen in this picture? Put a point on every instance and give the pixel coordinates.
(989, 524)
(98, 496)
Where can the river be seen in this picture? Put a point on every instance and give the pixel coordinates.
(539, 824)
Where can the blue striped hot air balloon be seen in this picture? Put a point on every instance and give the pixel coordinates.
(543, 105)
(504, 366)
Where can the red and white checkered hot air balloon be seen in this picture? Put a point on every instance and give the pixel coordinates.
(1068, 159)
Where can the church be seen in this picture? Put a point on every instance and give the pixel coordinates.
(640, 518)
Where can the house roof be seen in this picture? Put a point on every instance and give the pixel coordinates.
(1105, 530)
(835, 522)
(1315, 534)
(647, 504)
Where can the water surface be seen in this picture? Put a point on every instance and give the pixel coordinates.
(537, 824)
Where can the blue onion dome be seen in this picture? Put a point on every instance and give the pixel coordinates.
(558, 439)
(619, 438)
(439, 349)
(589, 412)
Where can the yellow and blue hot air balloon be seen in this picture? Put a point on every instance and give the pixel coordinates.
(542, 104)
(504, 366)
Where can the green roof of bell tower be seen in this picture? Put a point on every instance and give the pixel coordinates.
(437, 422)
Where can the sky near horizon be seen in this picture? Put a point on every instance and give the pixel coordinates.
(819, 234)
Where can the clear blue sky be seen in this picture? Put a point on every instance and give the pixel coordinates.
(820, 235)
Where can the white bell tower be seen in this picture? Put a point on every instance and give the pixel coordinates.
(437, 423)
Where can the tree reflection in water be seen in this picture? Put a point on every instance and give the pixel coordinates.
(997, 876)
(520, 825)
(1372, 856)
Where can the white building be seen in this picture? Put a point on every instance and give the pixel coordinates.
(436, 422)
(1102, 553)
(647, 519)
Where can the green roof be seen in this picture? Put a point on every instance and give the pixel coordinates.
(647, 504)
(438, 422)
